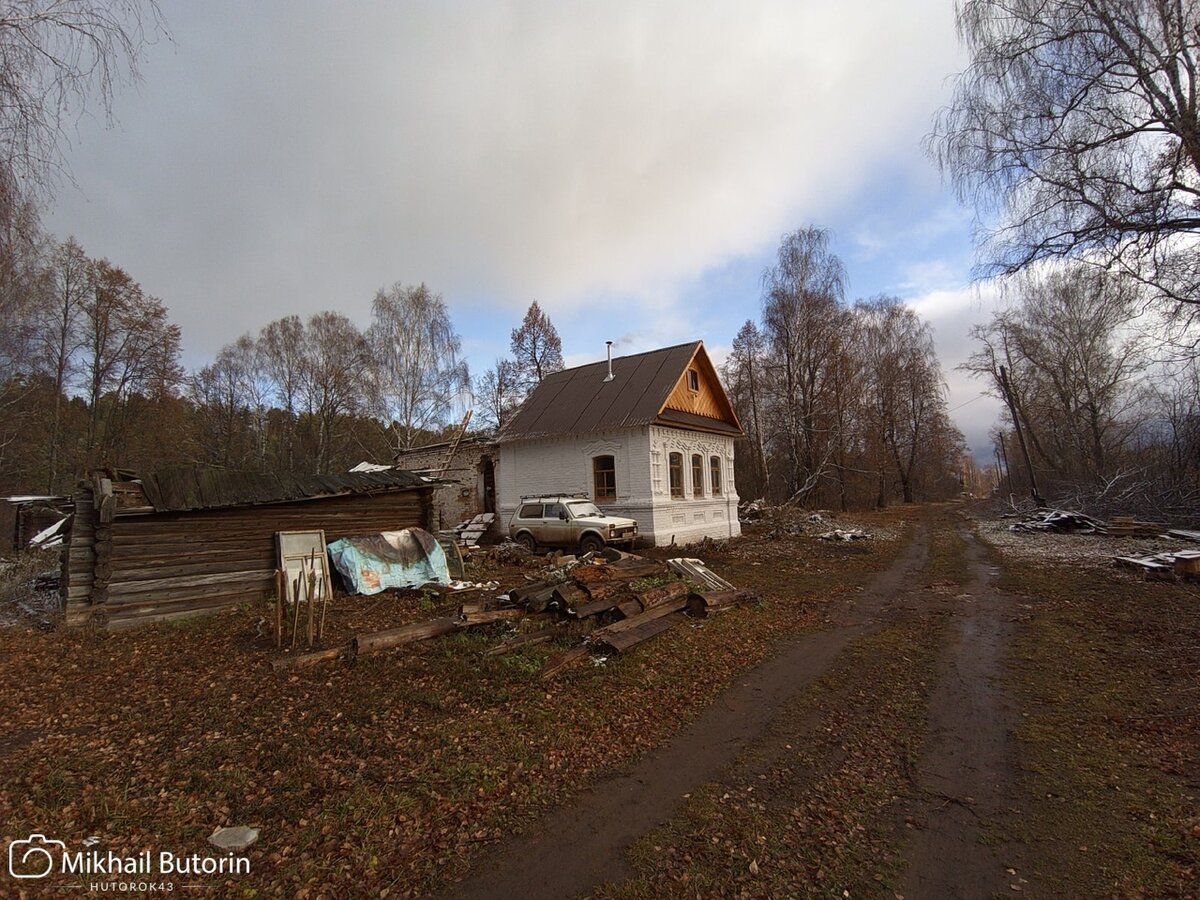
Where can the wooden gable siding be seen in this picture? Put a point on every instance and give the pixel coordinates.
(710, 400)
(160, 566)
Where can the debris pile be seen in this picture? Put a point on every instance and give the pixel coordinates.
(468, 533)
(1170, 565)
(1061, 521)
(844, 534)
(1129, 526)
(628, 598)
(752, 510)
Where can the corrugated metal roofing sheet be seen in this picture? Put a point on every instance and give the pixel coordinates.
(579, 400)
(176, 490)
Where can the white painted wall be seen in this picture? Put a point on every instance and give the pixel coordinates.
(564, 464)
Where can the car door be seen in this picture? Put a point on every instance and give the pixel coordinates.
(556, 526)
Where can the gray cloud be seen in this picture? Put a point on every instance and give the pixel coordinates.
(293, 157)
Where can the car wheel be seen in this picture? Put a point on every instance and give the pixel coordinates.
(591, 544)
(525, 539)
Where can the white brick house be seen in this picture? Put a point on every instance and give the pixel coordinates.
(654, 443)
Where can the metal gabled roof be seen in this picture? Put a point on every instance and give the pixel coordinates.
(579, 400)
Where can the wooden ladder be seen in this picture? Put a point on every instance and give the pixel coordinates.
(462, 429)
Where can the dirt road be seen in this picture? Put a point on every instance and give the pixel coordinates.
(963, 781)
(967, 776)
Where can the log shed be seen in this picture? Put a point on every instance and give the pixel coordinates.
(190, 541)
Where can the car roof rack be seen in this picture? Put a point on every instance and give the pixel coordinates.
(555, 494)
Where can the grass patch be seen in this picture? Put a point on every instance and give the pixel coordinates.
(1105, 672)
(391, 774)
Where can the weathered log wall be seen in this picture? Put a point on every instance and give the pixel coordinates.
(142, 568)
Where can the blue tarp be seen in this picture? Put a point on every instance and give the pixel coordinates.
(372, 563)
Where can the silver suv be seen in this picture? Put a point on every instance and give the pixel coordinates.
(562, 520)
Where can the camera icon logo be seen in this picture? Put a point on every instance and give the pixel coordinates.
(33, 857)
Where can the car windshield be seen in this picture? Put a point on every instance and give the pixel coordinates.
(579, 510)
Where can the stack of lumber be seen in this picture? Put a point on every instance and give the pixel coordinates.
(1129, 526)
(628, 600)
(1170, 565)
(1184, 534)
(470, 532)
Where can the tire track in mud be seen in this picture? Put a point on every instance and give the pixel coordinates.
(967, 777)
(582, 844)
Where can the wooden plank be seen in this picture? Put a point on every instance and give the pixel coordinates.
(663, 609)
(124, 575)
(621, 641)
(170, 583)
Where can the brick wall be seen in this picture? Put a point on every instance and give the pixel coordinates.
(564, 465)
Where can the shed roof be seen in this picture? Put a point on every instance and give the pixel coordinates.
(177, 490)
(579, 400)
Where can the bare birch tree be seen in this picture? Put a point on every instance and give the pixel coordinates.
(1073, 366)
(419, 378)
(498, 393)
(1075, 131)
(333, 381)
(904, 389)
(60, 334)
(802, 320)
(57, 57)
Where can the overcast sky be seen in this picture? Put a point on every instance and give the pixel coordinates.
(631, 166)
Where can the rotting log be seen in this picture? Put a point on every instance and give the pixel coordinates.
(484, 616)
(594, 608)
(524, 640)
(603, 590)
(373, 642)
(700, 605)
(656, 596)
(539, 600)
(519, 594)
(620, 641)
(569, 596)
(299, 660)
(631, 608)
